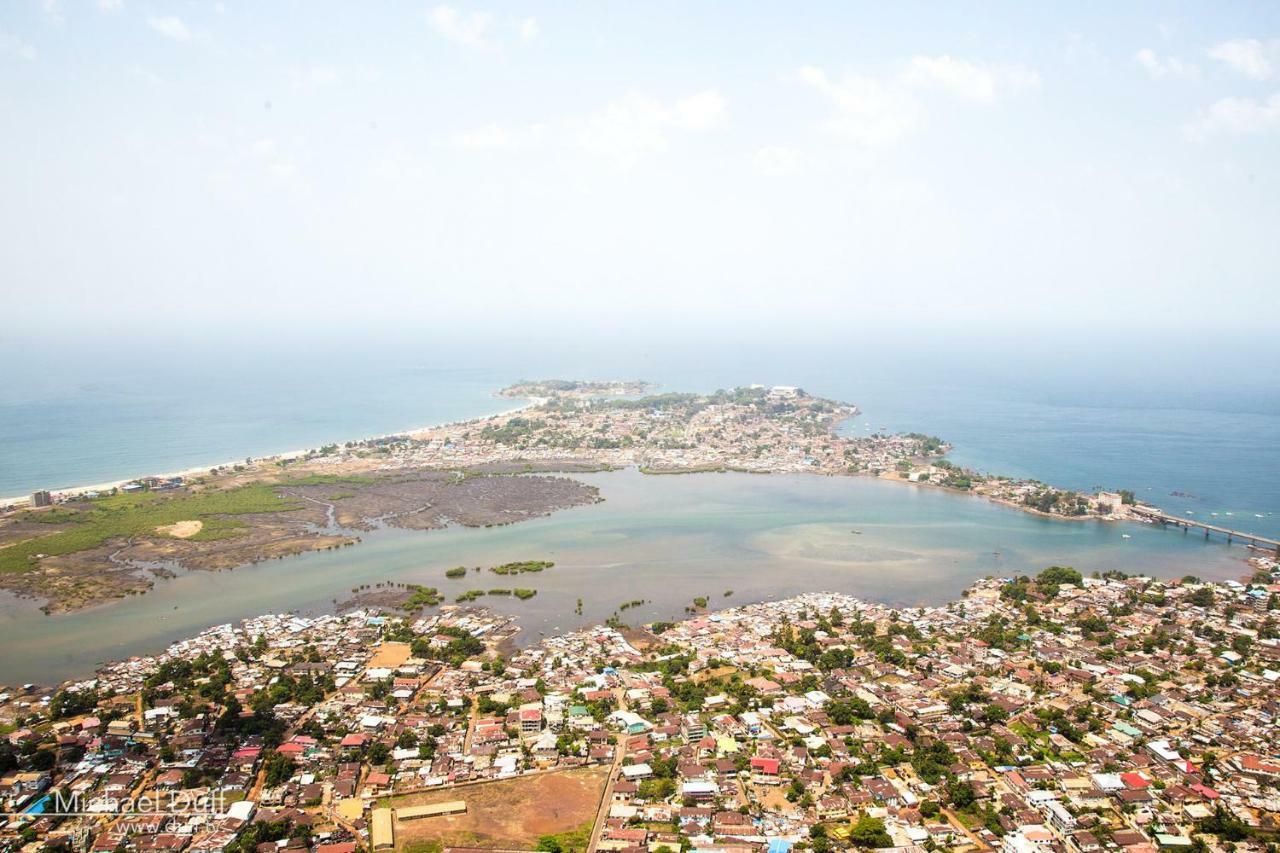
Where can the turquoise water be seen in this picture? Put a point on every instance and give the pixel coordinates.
(666, 539)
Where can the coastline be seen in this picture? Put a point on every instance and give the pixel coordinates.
(801, 435)
(590, 544)
(11, 502)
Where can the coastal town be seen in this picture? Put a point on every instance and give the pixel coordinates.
(76, 548)
(1046, 712)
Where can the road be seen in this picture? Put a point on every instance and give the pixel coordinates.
(606, 798)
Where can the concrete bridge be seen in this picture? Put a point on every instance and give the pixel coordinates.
(1165, 519)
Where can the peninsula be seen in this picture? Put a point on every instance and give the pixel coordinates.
(87, 546)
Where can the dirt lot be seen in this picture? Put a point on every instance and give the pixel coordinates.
(510, 814)
(390, 655)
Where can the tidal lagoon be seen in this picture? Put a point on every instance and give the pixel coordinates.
(663, 539)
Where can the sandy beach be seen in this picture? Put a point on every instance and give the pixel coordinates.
(197, 470)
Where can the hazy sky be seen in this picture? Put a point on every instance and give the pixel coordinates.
(425, 167)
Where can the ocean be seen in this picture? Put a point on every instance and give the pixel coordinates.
(1204, 443)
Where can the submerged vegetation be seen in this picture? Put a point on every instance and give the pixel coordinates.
(519, 568)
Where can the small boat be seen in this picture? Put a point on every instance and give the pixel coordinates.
(1258, 515)
(1125, 536)
(856, 532)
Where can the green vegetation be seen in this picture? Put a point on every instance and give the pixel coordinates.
(461, 646)
(870, 832)
(928, 443)
(328, 480)
(70, 703)
(124, 516)
(423, 596)
(522, 566)
(574, 841)
(456, 572)
(1051, 578)
(52, 515)
(524, 594)
(469, 595)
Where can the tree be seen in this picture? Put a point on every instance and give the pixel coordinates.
(1053, 577)
(278, 768)
(960, 794)
(870, 832)
(1202, 597)
(69, 703)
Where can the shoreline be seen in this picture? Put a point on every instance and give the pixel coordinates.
(353, 605)
(694, 446)
(11, 502)
(125, 641)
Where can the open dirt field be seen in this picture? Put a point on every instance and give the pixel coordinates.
(390, 655)
(181, 529)
(509, 814)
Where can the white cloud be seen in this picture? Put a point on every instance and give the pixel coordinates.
(493, 137)
(110, 5)
(529, 29)
(624, 131)
(146, 75)
(1159, 69)
(868, 112)
(970, 80)
(469, 30)
(776, 161)
(53, 11)
(1237, 116)
(878, 111)
(171, 27)
(312, 77)
(1250, 57)
(632, 127)
(11, 45)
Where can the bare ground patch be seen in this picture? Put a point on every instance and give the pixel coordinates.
(508, 814)
(181, 529)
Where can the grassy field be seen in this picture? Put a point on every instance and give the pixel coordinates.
(329, 480)
(510, 814)
(128, 515)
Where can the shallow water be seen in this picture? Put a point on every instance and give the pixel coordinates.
(665, 539)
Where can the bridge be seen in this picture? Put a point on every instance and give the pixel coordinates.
(1164, 519)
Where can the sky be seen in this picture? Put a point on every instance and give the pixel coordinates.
(462, 169)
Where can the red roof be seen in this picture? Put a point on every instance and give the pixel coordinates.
(768, 766)
(1134, 780)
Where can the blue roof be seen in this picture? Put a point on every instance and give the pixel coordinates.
(779, 845)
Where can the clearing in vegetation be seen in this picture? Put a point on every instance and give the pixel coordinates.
(510, 814)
